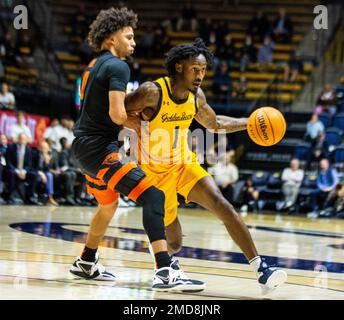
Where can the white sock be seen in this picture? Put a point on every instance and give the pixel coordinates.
(255, 263)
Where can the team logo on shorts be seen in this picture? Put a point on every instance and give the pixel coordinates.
(112, 158)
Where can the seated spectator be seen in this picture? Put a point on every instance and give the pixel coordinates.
(208, 32)
(7, 99)
(225, 52)
(282, 27)
(20, 127)
(24, 51)
(222, 85)
(68, 171)
(334, 204)
(53, 133)
(19, 168)
(225, 174)
(259, 25)
(327, 181)
(3, 147)
(319, 149)
(292, 178)
(250, 197)
(188, 18)
(241, 89)
(314, 128)
(222, 32)
(327, 101)
(9, 48)
(44, 164)
(265, 53)
(293, 68)
(248, 53)
(161, 42)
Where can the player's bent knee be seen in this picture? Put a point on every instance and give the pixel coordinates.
(153, 198)
(108, 210)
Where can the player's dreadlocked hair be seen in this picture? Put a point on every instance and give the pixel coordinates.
(108, 22)
(185, 51)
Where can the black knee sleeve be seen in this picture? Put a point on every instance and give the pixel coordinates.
(153, 202)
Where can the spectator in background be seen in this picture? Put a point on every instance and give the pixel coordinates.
(327, 101)
(208, 31)
(68, 171)
(52, 133)
(259, 25)
(282, 27)
(334, 204)
(10, 49)
(222, 84)
(292, 178)
(327, 181)
(249, 197)
(19, 167)
(43, 165)
(3, 147)
(7, 99)
(222, 32)
(225, 174)
(188, 18)
(24, 51)
(241, 88)
(2, 70)
(320, 147)
(265, 53)
(248, 53)
(161, 42)
(314, 128)
(225, 52)
(21, 128)
(293, 68)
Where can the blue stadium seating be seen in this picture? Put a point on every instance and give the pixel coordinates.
(333, 136)
(303, 152)
(338, 121)
(325, 118)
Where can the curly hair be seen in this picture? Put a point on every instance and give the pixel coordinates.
(108, 22)
(185, 51)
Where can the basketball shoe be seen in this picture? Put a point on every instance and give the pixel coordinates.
(91, 270)
(269, 277)
(173, 279)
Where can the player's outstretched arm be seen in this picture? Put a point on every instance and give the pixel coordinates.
(207, 117)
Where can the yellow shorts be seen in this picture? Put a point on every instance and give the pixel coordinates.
(177, 179)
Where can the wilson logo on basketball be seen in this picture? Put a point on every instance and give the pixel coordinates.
(263, 126)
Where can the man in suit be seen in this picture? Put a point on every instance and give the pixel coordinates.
(19, 169)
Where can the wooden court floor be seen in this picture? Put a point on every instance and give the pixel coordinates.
(38, 245)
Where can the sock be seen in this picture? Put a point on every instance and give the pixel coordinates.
(162, 259)
(89, 254)
(255, 263)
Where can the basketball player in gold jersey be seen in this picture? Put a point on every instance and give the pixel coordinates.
(170, 104)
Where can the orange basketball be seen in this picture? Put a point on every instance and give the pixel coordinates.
(266, 126)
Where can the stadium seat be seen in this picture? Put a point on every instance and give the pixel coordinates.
(333, 137)
(303, 152)
(338, 154)
(325, 118)
(338, 121)
(260, 179)
(308, 189)
(272, 192)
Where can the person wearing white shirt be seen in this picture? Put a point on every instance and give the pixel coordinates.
(292, 178)
(225, 174)
(7, 99)
(20, 128)
(53, 133)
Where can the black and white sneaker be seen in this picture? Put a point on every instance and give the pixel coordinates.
(91, 270)
(173, 279)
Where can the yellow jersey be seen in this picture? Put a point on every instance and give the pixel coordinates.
(164, 139)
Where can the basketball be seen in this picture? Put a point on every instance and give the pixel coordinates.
(266, 126)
